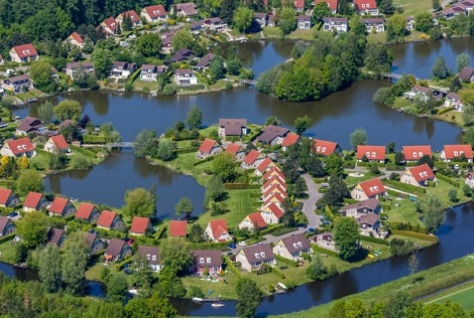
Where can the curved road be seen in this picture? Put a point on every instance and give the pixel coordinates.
(309, 204)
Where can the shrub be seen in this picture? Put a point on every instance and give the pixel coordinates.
(446, 179)
(405, 187)
(375, 240)
(169, 89)
(384, 96)
(445, 110)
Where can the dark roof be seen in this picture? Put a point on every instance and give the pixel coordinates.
(76, 65)
(152, 254)
(182, 54)
(3, 222)
(258, 253)
(115, 247)
(271, 132)
(371, 203)
(54, 236)
(296, 243)
(207, 258)
(233, 126)
(373, 21)
(90, 238)
(260, 15)
(18, 78)
(370, 219)
(29, 123)
(124, 65)
(466, 73)
(303, 18)
(206, 60)
(331, 19)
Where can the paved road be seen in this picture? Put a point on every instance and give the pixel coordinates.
(309, 204)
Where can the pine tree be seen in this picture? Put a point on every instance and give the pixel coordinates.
(227, 11)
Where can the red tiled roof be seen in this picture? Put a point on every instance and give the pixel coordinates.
(299, 4)
(218, 227)
(280, 181)
(274, 170)
(106, 218)
(275, 210)
(257, 220)
(131, 14)
(324, 147)
(58, 205)
(290, 139)
(32, 200)
(251, 157)
(85, 210)
(77, 37)
(415, 152)
(277, 196)
(233, 149)
(59, 141)
(263, 165)
(277, 189)
(139, 225)
(421, 172)
(376, 153)
(207, 146)
(155, 11)
(25, 50)
(365, 4)
(452, 151)
(372, 187)
(4, 195)
(178, 228)
(20, 146)
(332, 4)
(111, 23)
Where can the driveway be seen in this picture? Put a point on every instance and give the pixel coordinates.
(309, 204)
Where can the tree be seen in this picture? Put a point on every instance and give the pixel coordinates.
(287, 22)
(317, 270)
(45, 111)
(117, 287)
(126, 23)
(149, 44)
(183, 39)
(315, 167)
(8, 103)
(302, 124)
(171, 285)
(334, 165)
(243, 18)
(336, 192)
(355, 308)
(49, 265)
(272, 120)
(346, 237)
(234, 66)
(358, 137)
(338, 310)
(184, 206)
(215, 189)
(453, 195)
(68, 110)
(434, 214)
(32, 228)
(138, 202)
(145, 143)
(224, 166)
(396, 27)
(165, 150)
(227, 11)
(196, 234)
(321, 10)
(102, 60)
(426, 159)
(75, 263)
(217, 68)
(248, 297)
(194, 118)
(423, 21)
(29, 181)
(397, 305)
(399, 158)
(378, 58)
(440, 70)
(160, 307)
(42, 76)
(175, 253)
(462, 61)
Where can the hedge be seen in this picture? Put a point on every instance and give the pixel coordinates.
(207, 159)
(82, 151)
(271, 229)
(412, 164)
(411, 234)
(282, 231)
(286, 261)
(7, 238)
(203, 246)
(231, 186)
(446, 179)
(186, 150)
(375, 240)
(278, 273)
(232, 267)
(367, 164)
(445, 110)
(393, 167)
(323, 251)
(405, 187)
(122, 264)
(160, 232)
(134, 76)
(94, 139)
(395, 193)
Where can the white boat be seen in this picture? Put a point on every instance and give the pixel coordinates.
(197, 299)
(133, 292)
(217, 305)
(282, 286)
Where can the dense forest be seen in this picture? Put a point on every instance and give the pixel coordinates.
(326, 66)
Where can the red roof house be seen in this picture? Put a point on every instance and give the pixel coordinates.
(141, 226)
(266, 165)
(132, 16)
(253, 221)
(252, 160)
(217, 230)
(274, 171)
(274, 180)
(24, 53)
(154, 13)
(326, 148)
(236, 150)
(290, 139)
(415, 152)
(178, 228)
(61, 207)
(57, 144)
(373, 153)
(110, 220)
(88, 212)
(272, 214)
(418, 175)
(450, 152)
(75, 39)
(332, 4)
(109, 25)
(34, 202)
(299, 5)
(18, 148)
(8, 198)
(368, 189)
(366, 7)
(273, 190)
(209, 147)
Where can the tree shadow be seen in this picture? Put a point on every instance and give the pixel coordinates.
(360, 255)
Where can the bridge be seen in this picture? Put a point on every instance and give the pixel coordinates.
(249, 82)
(119, 145)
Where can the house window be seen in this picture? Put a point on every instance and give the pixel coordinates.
(147, 256)
(257, 255)
(420, 154)
(153, 257)
(263, 255)
(208, 260)
(373, 154)
(455, 153)
(201, 260)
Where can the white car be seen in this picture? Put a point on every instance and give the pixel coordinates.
(243, 243)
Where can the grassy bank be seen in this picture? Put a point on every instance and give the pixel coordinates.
(462, 294)
(416, 285)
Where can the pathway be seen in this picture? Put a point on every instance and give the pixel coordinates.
(309, 204)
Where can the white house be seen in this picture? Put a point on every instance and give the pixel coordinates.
(335, 24)
(185, 77)
(18, 148)
(24, 53)
(154, 13)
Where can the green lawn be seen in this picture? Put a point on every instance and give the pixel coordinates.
(352, 180)
(273, 32)
(451, 117)
(303, 34)
(7, 252)
(402, 211)
(411, 7)
(41, 160)
(140, 86)
(464, 295)
(380, 37)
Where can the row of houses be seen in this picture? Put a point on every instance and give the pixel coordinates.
(340, 25)
(463, 7)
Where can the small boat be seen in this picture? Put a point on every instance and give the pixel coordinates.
(217, 305)
(282, 286)
(210, 292)
(197, 299)
(371, 256)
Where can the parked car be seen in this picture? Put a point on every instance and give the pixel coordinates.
(12, 215)
(310, 230)
(243, 243)
(232, 246)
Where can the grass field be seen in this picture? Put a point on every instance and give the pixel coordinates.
(411, 7)
(464, 295)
